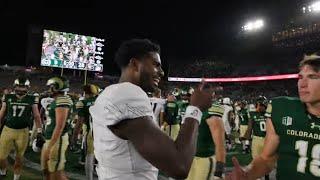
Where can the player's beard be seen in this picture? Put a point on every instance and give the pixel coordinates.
(146, 82)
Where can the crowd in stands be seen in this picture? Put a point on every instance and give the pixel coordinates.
(236, 90)
(215, 69)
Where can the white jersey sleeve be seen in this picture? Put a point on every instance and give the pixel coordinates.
(46, 101)
(120, 102)
(225, 119)
(157, 105)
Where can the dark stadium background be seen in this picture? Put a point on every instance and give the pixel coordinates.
(192, 34)
(186, 30)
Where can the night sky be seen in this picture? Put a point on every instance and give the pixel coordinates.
(186, 30)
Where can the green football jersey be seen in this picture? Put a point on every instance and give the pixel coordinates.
(259, 123)
(205, 144)
(299, 133)
(60, 101)
(243, 117)
(83, 110)
(182, 109)
(171, 113)
(19, 111)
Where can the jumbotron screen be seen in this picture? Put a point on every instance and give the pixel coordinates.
(72, 51)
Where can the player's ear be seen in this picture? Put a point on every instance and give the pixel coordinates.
(134, 63)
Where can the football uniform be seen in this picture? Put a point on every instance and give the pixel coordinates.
(299, 133)
(204, 161)
(117, 158)
(83, 111)
(57, 157)
(225, 118)
(172, 119)
(258, 131)
(243, 117)
(15, 133)
(157, 107)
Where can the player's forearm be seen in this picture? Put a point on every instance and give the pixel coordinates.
(1, 117)
(2, 111)
(220, 153)
(248, 133)
(260, 167)
(161, 118)
(77, 128)
(218, 138)
(37, 120)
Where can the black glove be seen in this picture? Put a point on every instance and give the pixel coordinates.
(40, 140)
(220, 168)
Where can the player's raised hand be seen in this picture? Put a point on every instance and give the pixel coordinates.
(202, 96)
(237, 172)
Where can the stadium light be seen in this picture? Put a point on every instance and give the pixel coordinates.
(316, 6)
(253, 25)
(312, 8)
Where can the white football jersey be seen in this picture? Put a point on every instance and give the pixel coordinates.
(157, 105)
(117, 158)
(225, 119)
(46, 101)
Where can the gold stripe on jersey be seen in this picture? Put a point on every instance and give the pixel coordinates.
(268, 111)
(61, 101)
(216, 110)
(36, 100)
(18, 103)
(79, 105)
(171, 104)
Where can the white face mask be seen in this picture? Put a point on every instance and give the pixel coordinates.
(238, 108)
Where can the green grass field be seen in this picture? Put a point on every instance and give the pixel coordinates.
(73, 166)
(27, 174)
(244, 159)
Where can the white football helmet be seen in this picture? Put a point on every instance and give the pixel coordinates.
(35, 148)
(226, 101)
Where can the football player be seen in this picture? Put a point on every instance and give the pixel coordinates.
(58, 113)
(292, 131)
(17, 108)
(172, 121)
(244, 120)
(185, 94)
(257, 127)
(157, 104)
(210, 153)
(127, 140)
(91, 91)
(227, 121)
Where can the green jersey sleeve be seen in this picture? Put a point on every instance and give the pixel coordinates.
(64, 101)
(80, 108)
(216, 110)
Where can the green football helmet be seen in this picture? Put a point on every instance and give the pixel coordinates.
(58, 84)
(187, 91)
(262, 100)
(91, 89)
(21, 81)
(21, 86)
(176, 92)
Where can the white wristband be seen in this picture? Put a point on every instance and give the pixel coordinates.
(192, 112)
